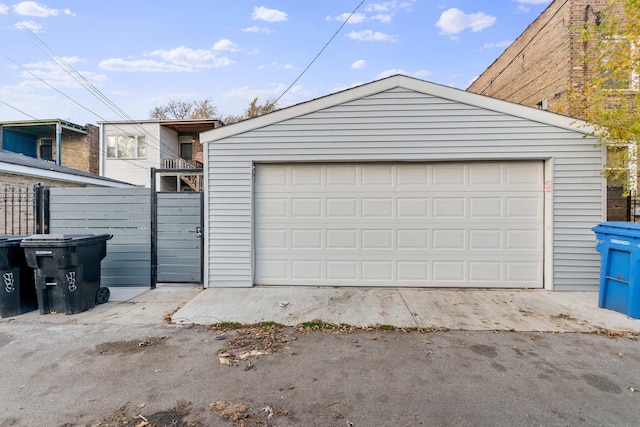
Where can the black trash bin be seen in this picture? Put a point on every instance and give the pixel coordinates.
(18, 293)
(67, 270)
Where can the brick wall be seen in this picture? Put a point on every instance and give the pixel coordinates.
(17, 215)
(540, 65)
(81, 152)
(8, 179)
(546, 58)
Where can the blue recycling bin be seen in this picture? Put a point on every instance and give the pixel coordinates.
(619, 247)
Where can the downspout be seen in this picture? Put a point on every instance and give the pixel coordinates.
(58, 143)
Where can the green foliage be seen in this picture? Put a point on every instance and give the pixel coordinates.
(609, 96)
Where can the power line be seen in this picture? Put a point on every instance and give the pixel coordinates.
(320, 53)
(78, 77)
(47, 123)
(523, 48)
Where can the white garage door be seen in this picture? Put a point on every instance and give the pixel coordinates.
(401, 224)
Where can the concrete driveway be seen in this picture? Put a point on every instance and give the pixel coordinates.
(470, 310)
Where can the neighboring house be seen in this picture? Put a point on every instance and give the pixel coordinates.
(18, 176)
(404, 183)
(56, 141)
(542, 63)
(130, 149)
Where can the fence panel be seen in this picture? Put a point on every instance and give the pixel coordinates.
(123, 212)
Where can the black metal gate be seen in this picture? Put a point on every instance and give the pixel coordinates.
(24, 210)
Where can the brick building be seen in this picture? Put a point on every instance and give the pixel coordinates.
(20, 174)
(543, 62)
(55, 141)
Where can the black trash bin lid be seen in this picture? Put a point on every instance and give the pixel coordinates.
(10, 240)
(64, 239)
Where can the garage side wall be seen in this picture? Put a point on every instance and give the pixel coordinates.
(404, 125)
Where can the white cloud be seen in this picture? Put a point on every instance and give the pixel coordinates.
(225, 44)
(533, 1)
(4, 9)
(454, 21)
(382, 17)
(31, 8)
(256, 29)
(192, 58)
(356, 18)
(180, 59)
(281, 65)
(53, 73)
(522, 4)
(28, 25)
(261, 13)
(369, 35)
(359, 64)
(501, 44)
(388, 6)
(146, 65)
(392, 72)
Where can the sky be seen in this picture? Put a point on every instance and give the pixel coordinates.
(90, 61)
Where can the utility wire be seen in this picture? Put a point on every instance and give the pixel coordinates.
(523, 48)
(321, 50)
(152, 143)
(48, 123)
(78, 77)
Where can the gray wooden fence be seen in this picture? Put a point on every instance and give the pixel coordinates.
(125, 213)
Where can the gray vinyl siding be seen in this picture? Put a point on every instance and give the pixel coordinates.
(405, 125)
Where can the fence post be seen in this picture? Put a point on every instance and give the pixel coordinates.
(154, 230)
(42, 208)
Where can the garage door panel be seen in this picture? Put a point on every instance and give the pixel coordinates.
(399, 224)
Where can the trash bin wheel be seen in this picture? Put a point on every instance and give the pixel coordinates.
(102, 295)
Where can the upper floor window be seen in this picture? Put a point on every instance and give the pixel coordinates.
(46, 149)
(126, 147)
(614, 74)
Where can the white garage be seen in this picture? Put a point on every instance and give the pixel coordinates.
(405, 183)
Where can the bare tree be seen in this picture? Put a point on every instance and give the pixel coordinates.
(253, 110)
(177, 109)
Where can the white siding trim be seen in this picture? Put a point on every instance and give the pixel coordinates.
(61, 176)
(548, 225)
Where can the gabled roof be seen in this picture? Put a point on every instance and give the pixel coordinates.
(20, 164)
(399, 81)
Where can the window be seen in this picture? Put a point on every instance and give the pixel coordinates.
(126, 147)
(46, 149)
(614, 76)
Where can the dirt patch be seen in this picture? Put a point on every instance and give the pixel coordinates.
(251, 341)
(127, 347)
(128, 417)
(184, 415)
(243, 415)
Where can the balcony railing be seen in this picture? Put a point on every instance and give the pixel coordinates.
(179, 163)
(192, 179)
